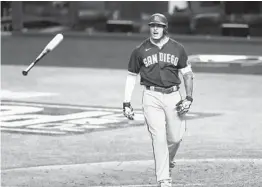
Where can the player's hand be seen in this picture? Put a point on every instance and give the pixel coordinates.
(128, 111)
(183, 106)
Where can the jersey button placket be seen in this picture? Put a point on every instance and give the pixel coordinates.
(159, 65)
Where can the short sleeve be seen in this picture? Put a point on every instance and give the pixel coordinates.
(183, 59)
(134, 64)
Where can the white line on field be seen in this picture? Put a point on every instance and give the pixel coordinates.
(7, 94)
(150, 185)
(257, 160)
(21, 130)
(189, 184)
(146, 163)
(64, 106)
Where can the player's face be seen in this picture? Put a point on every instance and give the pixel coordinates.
(156, 31)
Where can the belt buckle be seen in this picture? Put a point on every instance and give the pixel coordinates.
(169, 90)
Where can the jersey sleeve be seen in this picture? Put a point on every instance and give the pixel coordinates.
(183, 59)
(134, 64)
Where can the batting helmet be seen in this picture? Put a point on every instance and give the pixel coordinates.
(158, 19)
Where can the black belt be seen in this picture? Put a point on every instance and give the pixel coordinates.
(163, 90)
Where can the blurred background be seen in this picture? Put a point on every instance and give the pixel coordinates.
(214, 18)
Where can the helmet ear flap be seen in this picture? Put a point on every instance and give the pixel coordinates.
(166, 30)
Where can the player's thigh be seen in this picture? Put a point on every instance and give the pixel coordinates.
(154, 113)
(175, 124)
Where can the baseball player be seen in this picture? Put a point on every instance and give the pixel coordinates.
(159, 59)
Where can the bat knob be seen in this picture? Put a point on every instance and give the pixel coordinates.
(24, 73)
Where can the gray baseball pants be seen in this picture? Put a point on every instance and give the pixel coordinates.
(165, 127)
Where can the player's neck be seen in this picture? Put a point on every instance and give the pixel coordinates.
(159, 42)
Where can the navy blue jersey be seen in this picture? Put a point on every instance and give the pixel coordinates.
(158, 67)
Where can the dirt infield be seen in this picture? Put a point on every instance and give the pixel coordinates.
(216, 172)
(62, 125)
(222, 146)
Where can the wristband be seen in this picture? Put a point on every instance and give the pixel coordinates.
(126, 104)
(189, 98)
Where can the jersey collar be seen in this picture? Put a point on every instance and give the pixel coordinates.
(162, 43)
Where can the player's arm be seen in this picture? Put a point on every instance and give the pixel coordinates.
(133, 70)
(129, 87)
(188, 80)
(187, 73)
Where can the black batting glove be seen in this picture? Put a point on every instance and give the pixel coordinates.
(183, 106)
(128, 111)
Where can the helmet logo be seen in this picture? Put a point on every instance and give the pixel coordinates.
(157, 19)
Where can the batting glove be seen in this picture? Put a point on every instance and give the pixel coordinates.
(128, 111)
(183, 106)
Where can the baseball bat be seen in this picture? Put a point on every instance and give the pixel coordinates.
(48, 48)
